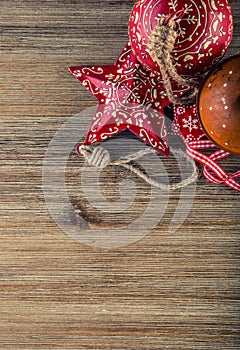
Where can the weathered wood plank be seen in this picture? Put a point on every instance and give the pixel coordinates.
(166, 291)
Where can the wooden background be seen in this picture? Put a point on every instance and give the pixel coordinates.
(165, 291)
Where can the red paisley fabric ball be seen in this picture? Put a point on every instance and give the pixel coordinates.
(204, 32)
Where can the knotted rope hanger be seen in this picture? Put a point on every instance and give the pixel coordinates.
(100, 158)
(160, 46)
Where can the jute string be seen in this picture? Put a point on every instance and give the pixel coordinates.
(100, 158)
(160, 47)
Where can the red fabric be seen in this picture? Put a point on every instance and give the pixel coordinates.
(189, 127)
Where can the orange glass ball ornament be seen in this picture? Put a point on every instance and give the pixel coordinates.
(219, 105)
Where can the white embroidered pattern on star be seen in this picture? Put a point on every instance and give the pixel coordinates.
(130, 98)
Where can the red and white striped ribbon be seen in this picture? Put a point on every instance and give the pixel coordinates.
(212, 171)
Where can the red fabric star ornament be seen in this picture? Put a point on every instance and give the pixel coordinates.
(187, 123)
(130, 98)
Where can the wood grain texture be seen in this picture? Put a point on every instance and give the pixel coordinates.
(165, 291)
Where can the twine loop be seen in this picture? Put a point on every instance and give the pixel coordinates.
(100, 158)
(160, 46)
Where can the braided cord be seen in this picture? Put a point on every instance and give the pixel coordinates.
(100, 158)
(160, 47)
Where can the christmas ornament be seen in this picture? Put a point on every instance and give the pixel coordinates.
(130, 98)
(180, 38)
(219, 105)
(204, 31)
(169, 40)
(187, 125)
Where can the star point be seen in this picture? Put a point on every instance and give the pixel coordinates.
(130, 98)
